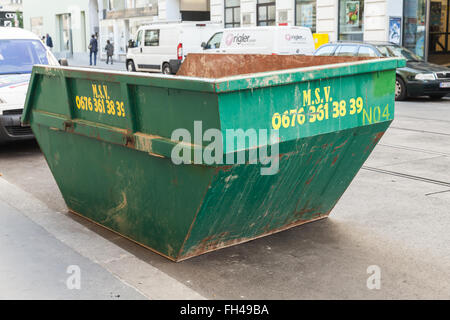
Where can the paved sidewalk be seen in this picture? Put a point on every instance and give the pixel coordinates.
(38, 245)
(35, 265)
(101, 64)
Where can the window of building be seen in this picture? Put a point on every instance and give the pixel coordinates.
(65, 30)
(194, 5)
(110, 5)
(351, 20)
(414, 26)
(232, 13)
(145, 3)
(265, 13)
(37, 25)
(151, 38)
(305, 14)
(439, 27)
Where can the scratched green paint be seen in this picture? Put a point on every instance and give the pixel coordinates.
(118, 172)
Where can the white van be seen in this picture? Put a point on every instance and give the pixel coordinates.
(19, 51)
(262, 40)
(162, 47)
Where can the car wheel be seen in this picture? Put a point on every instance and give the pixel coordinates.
(437, 96)
(166, 68)
(400, 89)
(130, 66)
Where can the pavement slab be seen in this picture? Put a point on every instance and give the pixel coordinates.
(35, 265)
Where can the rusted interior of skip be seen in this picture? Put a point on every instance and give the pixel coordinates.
(224, 65)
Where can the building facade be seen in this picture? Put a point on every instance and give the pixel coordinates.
(11, 13)
(340, 19)
(120, 19)
(420, 25)
(69, 23)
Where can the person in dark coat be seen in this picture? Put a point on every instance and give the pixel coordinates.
(93, 49)
(49, 41)
(109, 51)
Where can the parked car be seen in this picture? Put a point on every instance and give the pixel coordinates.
(418, 78)
(162, 47)
(262, 40)
(19, 51)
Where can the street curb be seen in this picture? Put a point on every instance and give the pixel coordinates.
(143, 277)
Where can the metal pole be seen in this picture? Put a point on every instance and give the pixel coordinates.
(427, 30)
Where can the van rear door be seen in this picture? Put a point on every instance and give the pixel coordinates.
(150, 60)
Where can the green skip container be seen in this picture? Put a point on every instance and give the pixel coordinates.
(108, 138)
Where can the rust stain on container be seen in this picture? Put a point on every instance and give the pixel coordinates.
(224, 65)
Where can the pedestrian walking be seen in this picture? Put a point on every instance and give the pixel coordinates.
(49, 41)
(93, 49)
(109, 51)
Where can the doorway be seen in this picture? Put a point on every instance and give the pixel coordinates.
(65, 34)
(414, 26)
(439, 34)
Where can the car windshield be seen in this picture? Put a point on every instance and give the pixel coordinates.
(399, 52)
(19, 56)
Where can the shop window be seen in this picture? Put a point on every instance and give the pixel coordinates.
(305, 14)
(351, 20)
(232, 13)
(414, 26)
(265, 13)
(439, 26)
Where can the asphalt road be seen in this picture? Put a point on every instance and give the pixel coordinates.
(395, 216)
